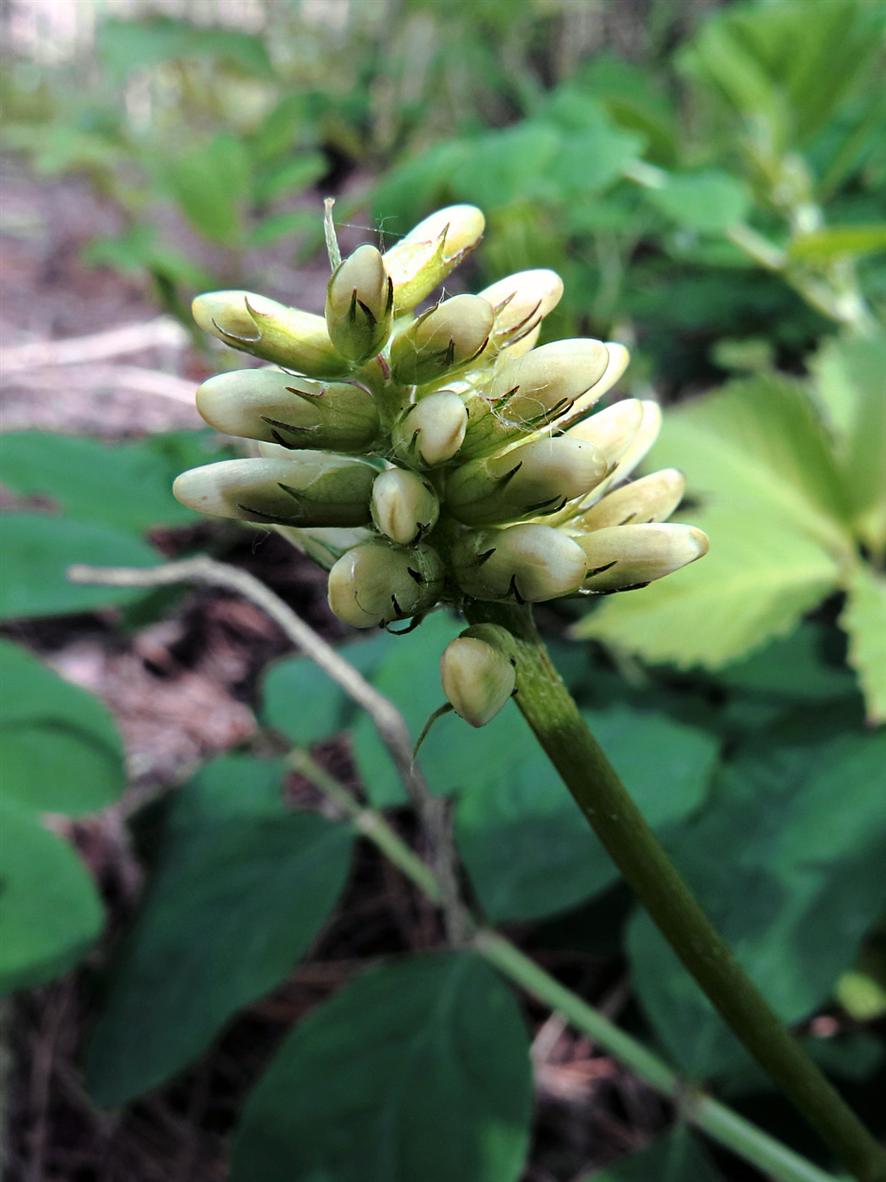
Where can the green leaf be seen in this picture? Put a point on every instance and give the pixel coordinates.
(772, 503)
(38, 549)
(787, 857)
(139, 250)
(237, 897)
(59, 748)
(304, 704)
(503, 166)
(289, 176)
(50, 912)
(760, 577)
(837, 242)
(863, 619)
(417, 185)
(793, 669)
(849, 383)
(212, 185)
(418, 1070)
(127, 45)
(528, 850)
(282, 225)
(676, 1157)
(122, 484)
(709, 202)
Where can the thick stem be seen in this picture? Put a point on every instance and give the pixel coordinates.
(552, 714)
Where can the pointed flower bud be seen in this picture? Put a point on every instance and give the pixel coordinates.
(520, 303)
(529, 392)
(287, 336)
(324, 545)
(626, 557)
(652, 498)
(376, 583)
(421, 261)
(432, 430)
(641, 441)
(404, 506)
(523, 564)
(528, 481)
(619, 359)
(478, 678)
(307, 488)
(275, 407)
(360, 304)
(442, 340)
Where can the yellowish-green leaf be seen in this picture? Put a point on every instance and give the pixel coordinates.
(838, 242)
(761, 575)
(851, 386)
(758, 445)
(864, 619)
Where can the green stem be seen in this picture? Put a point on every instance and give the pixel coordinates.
(720, 1123)
(552, 714)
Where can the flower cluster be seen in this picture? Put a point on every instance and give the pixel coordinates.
(432, 456)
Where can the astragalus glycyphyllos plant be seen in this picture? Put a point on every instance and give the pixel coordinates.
(440, 457)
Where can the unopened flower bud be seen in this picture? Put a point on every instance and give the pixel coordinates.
(421, 260)
(523, 564)
(652, 498)
(306, 488)
(442, 340)
(623, 558)
(360, 304)
(642, 439)
(528, 392)
(404, 506)
(531, 480)
(324, 545)
(376, 583)
(619, 358)
(287, 336)
(520, 303)
(275, 407)
(432, 430)
(478, 678)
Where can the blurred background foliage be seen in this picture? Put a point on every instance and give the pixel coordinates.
(710, 181)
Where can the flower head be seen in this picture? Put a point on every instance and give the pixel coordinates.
(437, 455)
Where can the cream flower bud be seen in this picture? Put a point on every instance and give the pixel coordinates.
(360, 304)
(612, 430)
(442, 340)
(404, 506)
(432, 430)
(324, 545)
(304, 489)
(520, 302)
(625, 557)
(421, 261)
(618, 360)
(528, 392)
(652, 498)
(478, 678)
(524, 564)
(287, 336)
(275, 407)
(376, 583)
(528, 481)
(641, 441)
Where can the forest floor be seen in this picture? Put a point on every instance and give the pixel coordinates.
(183, 689)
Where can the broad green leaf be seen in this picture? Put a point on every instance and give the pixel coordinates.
(212, 185)
(127, 45)
(138, 250)
(122, 484)
(503, 166)
(676, 1157)
(793, 669)
(758, 444)
(758, 580)
(850, 384)
(417, 185)
(634, 100)
(593, 155)
(837, 242)
(418, 1070)
(864, 620)
(59, 748)
(304, 704)
(710, 202)
(237, 897)
(526, 846)
(38, 548)
(289, 176)
(787, 858)
(50, 911)
(282, 225)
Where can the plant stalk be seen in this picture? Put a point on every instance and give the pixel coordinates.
(554, 717)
